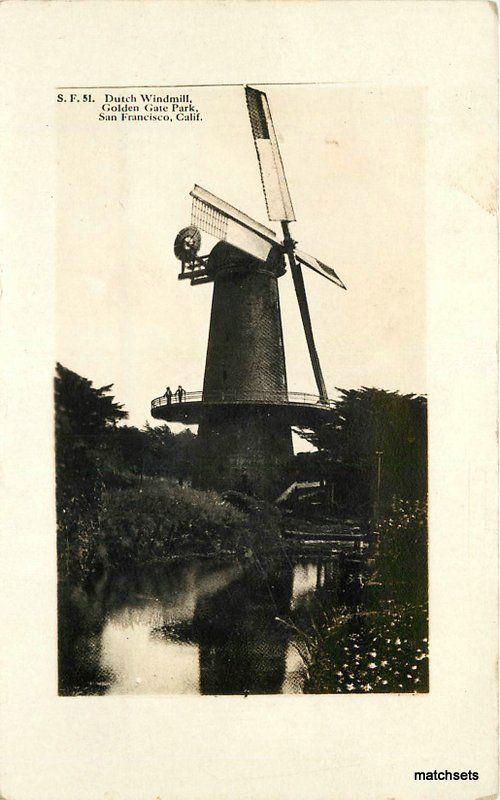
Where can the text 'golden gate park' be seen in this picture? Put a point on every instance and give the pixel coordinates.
(148, 108)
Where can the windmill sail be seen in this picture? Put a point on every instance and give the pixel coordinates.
(277, 196)
(319, 267)
(279, 207)
(229, 224)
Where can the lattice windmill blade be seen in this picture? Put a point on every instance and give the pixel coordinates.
(276, 193)
(227, 223)
(279, 207)
(220, 219)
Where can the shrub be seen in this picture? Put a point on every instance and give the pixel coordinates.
(383, 650)
(401, 551)
(161, 518)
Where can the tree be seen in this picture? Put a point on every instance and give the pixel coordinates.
(84, 418)
(167, 453)
(367, 422)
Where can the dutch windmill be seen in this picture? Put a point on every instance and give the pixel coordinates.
(245, 411)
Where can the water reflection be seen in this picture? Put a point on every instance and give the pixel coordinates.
(199, 626)
(141, 663)
(242, 643)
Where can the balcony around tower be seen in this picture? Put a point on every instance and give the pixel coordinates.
(301, 409)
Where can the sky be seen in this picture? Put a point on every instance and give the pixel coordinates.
(354, 159)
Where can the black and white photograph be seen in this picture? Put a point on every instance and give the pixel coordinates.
(241, 424)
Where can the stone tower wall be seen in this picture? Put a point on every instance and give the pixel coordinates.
(245, 355)
(245, 447)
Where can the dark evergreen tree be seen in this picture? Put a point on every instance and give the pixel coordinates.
(93, 451)
(84, 418)
(368, 426)
(167, 453)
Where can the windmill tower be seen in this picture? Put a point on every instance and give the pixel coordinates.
(245, 410)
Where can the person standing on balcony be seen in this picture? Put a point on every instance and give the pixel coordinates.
(180, 394)
(168, 395)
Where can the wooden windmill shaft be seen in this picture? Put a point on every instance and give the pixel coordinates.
(245, 412)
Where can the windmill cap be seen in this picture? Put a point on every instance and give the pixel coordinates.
(226, 257)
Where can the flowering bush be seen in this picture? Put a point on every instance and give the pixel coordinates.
(371, 651)
(379, 643)
(401, 546)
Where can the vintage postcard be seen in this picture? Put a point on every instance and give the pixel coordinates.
(254, 318)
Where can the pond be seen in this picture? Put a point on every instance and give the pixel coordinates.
(204, 626)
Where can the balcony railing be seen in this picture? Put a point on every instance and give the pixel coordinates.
(296, 398)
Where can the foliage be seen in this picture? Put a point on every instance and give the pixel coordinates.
(118, 493)
(167, 453)
(85, 410)
(152, 451)
(365, 422)
(85, 416)
(157, 519)
(401, 548)
(378, 641)
(369, 651)
(264, 521)
(95, 453)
